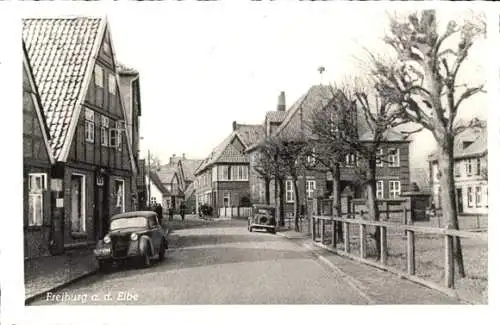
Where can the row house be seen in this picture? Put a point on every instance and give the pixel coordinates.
(185, 169)
(37, 164)
(158, 193)
(75, 72)
(393, 176)
(170, 179)
(222, 179)
(471, 176)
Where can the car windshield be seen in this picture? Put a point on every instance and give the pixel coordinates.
(133, 222)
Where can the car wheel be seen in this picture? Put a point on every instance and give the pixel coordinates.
(250, 228)
(105, 266)
(272, 231)
(161, 253)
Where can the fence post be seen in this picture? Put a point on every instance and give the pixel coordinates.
(362, 248)
(347, 246)
(410, 251)
(449, 266)
(383, 245)
(322, 225)
(334, 236)
(314, 229)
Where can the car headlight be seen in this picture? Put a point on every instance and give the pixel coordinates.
(107, 239)
(133, 236)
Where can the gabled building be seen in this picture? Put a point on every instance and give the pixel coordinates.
(158, 193)
(222, 179)
(471, 173)
(185, 170)
(170, 180)
(37, 165)
(75, 71)
(392, 178)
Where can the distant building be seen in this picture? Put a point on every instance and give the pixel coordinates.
(471, 173)
(222, 179)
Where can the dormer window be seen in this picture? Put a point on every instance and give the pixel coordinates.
(466, 144)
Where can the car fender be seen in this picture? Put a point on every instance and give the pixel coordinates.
(144, 243)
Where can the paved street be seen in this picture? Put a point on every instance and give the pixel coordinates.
(222, 263)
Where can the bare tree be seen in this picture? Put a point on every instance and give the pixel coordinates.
(424, 84)
(155, 163)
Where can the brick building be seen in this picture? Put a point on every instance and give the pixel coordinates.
(392, 178)
(222, 178)
(75, 71)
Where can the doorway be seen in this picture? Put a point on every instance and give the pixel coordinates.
(77, 203)
(460, 202)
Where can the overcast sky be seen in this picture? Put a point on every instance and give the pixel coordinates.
(203, 66)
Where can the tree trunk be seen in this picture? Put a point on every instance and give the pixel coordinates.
(448, 198)
(282, 201)
(337, 200)
(371, 200)
(268, 194)
(296, 202)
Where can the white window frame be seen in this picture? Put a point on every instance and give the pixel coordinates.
(380, 189)
(394, 159)
(153, 200)
(99, 76)
(112, 83)
(350, 159)
(36, 193)
(310, 188)
(122, 196)
(468, 167)
(478, 196)
(89, 125)
(380, 160)
(226, 177)
(470, 197)
(105, 131)
(83, 189)
(289, 194)
(393, 192)
(457, 169)
(227, 195)
(115, 138)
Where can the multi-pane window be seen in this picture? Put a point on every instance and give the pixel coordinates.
(380, 189)
(380, 160)
(470, 197)
(289, 191)
(394, 189)
(350, 159)
(104, 131)
(120, 194)
(468, 167)
(214, 174)
(99, 79)
(311, 158)
(457, 169)
(239, 173)
(89, 125)
(153, 200)
(310, 187)
(37, 184)
(115, 137)
(227, 199)
(393, 157)
(478, 196)
(112, 84)
(478, 166)
(225, 173)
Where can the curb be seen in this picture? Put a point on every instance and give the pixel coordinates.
(36, 296)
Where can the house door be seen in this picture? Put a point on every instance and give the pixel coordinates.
(77, 222)
(460, 202)
(101, 210)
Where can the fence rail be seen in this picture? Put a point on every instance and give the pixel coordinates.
(235, 212)
(319, 224)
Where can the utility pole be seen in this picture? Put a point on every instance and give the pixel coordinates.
(149, 179)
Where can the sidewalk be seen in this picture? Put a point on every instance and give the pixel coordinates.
(380, 287)
(48, 273)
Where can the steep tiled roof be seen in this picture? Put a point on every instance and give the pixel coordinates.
(276, 116)
(189, 191)
(225, 152)
(156, 180)
(60, 51)
(166, 173)
(188, 168)
(478, 147)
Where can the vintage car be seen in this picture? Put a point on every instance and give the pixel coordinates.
(263, 217)
(135, 236)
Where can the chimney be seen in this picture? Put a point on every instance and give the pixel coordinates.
(234, 125)
(281, 102)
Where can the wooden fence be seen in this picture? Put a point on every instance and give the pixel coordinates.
(235, 212)
(319, 224)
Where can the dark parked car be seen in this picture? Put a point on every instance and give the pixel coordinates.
(263, 217)
(136, 236)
